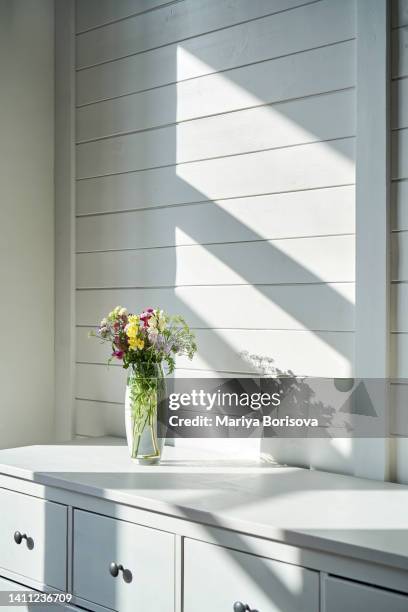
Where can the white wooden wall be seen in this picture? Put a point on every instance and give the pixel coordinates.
(399, 332)
(215, 178)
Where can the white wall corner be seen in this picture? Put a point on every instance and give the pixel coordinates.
(64, 218)
(372, 455)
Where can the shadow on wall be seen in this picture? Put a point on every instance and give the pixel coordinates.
(279, 109)
(270, 263)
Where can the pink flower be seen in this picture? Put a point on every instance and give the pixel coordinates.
(118, 354)
(145, 316)
(120, 343)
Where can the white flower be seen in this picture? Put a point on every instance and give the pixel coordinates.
(123, 311)
(152, 333)
(152, 323)
(161, 320)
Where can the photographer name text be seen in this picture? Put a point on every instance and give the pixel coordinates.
(245, 422)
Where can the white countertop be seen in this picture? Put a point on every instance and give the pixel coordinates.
(351, 516)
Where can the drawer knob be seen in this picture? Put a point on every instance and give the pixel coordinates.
(115, 568)
(19, 537)
(240, 607)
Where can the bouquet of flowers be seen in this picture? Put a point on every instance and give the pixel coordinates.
(151, 337)
(143, 342)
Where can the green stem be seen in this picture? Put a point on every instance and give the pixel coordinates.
(153, 434)
(144, 403)
(137, 436)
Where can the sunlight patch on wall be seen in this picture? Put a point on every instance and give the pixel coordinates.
(189, 93)
(297, 260)
(287, 150)
(310, 166)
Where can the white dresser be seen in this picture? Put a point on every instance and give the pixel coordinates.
(196, 536)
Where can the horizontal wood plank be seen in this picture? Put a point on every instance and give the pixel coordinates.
(330, 116)
(310, 166)
(242, 350)
(95, 13)
(322, 117)
(312, 72)
(304, 353)
(100, 382)
(302, 213)
(267, 38)
(313, 307)
(171, 23)
(297, 260)
(99, 418)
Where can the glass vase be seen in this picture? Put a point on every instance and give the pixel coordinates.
(145, 391)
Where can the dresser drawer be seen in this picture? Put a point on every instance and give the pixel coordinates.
(143, 561)
(42, 551)
(340, 595)
(215, 578)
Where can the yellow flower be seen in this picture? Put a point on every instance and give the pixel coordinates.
(136, 343)
(132, 331)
